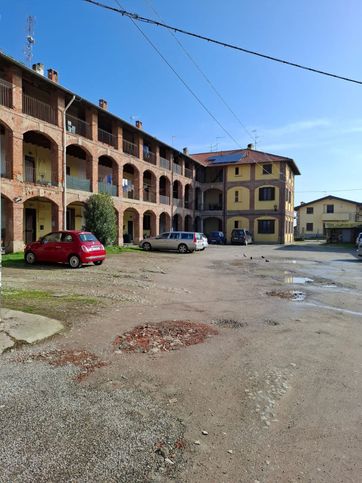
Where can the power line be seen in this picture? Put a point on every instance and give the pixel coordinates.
(328, 191)
(135, 17)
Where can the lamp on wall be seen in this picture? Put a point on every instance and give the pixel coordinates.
(18, 199)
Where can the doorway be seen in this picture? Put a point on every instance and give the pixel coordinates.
(30, 225)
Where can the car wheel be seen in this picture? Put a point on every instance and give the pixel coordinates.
(98, 262)
(146, 246)
(74, 261)
(182, 248)
(30, 258)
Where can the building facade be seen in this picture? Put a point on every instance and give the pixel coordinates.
(249, 189)
(336, 219)
(56, 149)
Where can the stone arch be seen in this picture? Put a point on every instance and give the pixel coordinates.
(108, 172)
(41, 216)
(213, 199)
(165, 222)
(79, 168)
(41, 159)
(75, 215)
(149, 186)
(212, 223)
(149, 224)
(131, 226)
(131, 182)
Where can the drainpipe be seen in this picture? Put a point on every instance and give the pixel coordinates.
(65, 163)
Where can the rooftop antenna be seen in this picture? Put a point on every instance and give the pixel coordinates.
(30, 40)
(256, 137)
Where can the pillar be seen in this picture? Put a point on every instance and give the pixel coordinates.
(17, 227)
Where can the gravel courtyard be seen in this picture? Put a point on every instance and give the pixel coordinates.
(236, 364)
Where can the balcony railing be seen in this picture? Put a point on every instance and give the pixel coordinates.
(73, 182)
(164, 163)
(212, 207)
(31, 176)
(75, 125)
(149, 196)
(165, 200)
(176, 168)
(39, 109)
(149, 156)
(130, 148)
(177, 202)
(107, 138)
(108, 188)
(188, 204)
(188, 172)
(6, 93)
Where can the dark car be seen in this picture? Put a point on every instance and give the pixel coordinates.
(71, 246)
(217, 238)
(239, 236)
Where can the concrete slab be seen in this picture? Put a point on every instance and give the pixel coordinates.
(5, 342)
(29, 328)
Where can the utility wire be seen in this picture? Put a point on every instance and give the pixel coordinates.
(135, 17)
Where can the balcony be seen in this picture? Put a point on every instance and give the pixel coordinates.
(149, 157)
(6, 93)
(39, 109)
(149, 196)
(31, 176)
(75, 183)
(188, 204)
(188, 173)
(130, 148)
(339, 216)
(177, 202)
(164, 163)
(75, 125)
(107, 188)
(165, 200)
(176, 168)
(212, 207)
(107, 138)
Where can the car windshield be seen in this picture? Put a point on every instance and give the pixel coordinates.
(87, 237)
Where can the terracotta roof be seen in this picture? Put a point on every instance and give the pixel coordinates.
(247, 156)
(329, 197)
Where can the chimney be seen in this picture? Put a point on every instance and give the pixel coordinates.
(250, 146)
(139, 124)
(39, 68)
(103, 104)
(186, 151)
(53, 75)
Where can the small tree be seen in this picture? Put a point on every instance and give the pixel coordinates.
(100, 218)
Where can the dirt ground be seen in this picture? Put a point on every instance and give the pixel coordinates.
(271, 393)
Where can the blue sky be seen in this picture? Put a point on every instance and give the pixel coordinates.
(315, 120)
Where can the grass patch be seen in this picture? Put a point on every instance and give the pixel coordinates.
(13, 259)
(113, 249)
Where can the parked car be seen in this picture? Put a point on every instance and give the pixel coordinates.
(217, 238)
(72, 246)
(359, 249)
(359, 239)
(205, 243)
(239, 236)
(182, 241)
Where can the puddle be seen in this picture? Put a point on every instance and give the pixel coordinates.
(293, 295)
(297, 280)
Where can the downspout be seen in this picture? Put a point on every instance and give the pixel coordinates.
(65, 163)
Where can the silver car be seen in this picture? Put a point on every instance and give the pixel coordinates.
(182, 241)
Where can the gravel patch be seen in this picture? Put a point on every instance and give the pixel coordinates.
(231, 323)
(53, 429)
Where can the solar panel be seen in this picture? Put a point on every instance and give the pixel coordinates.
(227, 158)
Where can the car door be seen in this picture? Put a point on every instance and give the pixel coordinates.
(48, 250)
(160, 242)
(67, 247)
(173, 240)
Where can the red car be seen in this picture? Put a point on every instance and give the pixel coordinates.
(71, 246)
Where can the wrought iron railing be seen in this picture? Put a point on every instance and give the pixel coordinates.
(107, 138)
(73, 182)
(75, 125)
(39, 109)
(188, 172)
(177, 202)
(165, 200)
(149, 156)
(6, 93)
(176, 168)
(165, 163)
(149, 196)
(108, 188)
(130, 148)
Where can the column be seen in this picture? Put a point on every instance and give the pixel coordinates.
(17, 227)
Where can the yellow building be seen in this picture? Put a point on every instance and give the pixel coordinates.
(329, 217)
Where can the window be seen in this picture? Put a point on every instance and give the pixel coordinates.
(309, 227)
(67, 238)
(330, 208)
(164, 235)
(174, 236)
(266, 226)
(236, 196)
(310, 210)
(52, 237)
(236, 171)
(236, 224)
(267, 194)
(267, 168)
(87, 237)
(187, 236)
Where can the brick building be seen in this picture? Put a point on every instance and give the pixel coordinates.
(49, 137)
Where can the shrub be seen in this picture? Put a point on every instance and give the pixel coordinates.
(100, 218)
